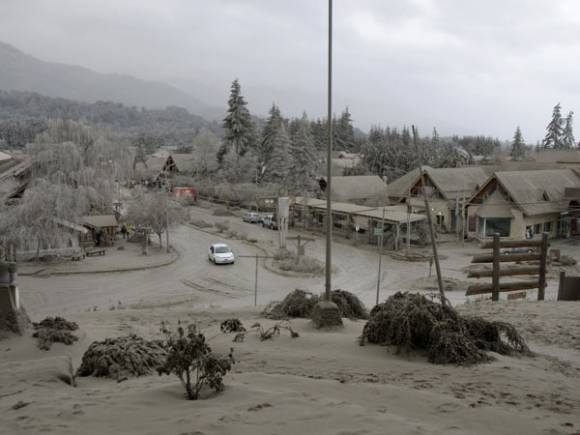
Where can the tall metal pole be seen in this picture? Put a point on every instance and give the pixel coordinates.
(328, 285)
(381, 255)
(256, 283)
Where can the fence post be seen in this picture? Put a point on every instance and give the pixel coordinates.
(543, 258)
(495, 276)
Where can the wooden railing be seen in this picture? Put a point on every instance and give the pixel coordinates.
(540, 254)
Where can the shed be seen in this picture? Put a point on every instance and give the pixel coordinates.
(103, 228)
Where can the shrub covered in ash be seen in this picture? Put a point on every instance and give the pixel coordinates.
(222, 211)
(200, 223)
(232, 325)
(412, 322)
(349, 304)
(222, 226)
(300, 303)
(190, 358)
(120, 357)
(54, 330)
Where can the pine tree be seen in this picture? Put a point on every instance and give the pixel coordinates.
(343, 132)
(518, 145)
(240, 132)
(266, 144)
(318, 129)
(304, 161)
(568, 140)
(553, 138)
(435, 140)
(279, 162)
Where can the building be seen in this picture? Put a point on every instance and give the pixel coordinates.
(15, 175)
(102, 230)
(448, 190)
(356, 222)
(360, 189)
(517, 204)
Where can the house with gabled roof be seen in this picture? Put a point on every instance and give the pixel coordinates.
(519, 204)
(447, 189)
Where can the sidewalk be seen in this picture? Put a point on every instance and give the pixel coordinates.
(114, 260)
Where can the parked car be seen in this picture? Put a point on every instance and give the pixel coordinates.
(220, 253)
(513, 251)
(251, 217)
(270, 222)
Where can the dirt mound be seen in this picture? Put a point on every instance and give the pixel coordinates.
(54, 330)
(412, 322)
(121, 357)
(301, 303)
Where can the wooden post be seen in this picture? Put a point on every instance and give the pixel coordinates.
(256, 283)
(431, 232)
(561, 284)
(543, 258)
(397, 237)
(495, 277)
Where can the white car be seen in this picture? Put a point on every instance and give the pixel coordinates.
(220, 253)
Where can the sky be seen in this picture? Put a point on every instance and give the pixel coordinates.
(465, 67)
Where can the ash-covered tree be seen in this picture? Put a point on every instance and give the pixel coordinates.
(343, 130)
(279, 165)
(239, 129)
(518, 150)
(554, 132)
(265, 148)
(318, 129)
(568, 140)
(204, 148)
(155, 212)
(39, 220)
(304, 163)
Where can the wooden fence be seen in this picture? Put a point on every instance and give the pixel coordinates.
(538, 253)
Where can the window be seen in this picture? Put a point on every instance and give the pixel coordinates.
(537, 228)
(440, 219)
(498, 225)
(548, 227)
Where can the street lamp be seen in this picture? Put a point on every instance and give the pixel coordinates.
(326, 312)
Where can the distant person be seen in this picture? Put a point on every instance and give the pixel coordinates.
(529, 234)
(124, 231)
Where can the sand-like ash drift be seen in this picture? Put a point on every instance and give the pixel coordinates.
(413, 322)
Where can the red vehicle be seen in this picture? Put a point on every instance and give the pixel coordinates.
(185, 193)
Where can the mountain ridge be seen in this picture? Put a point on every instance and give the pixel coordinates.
(22, 72)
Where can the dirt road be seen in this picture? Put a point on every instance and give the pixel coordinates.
(193, 280)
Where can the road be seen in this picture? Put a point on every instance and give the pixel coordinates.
(193, 280)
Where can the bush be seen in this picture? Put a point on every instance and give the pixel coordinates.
(54, 330)
(200, 223)
(411, 322)
(191, 359)
(300, 304)
(222, 212)
(123, 356)
(232, 325)
(222, 226)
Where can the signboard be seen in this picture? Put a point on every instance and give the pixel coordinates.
(378, 231)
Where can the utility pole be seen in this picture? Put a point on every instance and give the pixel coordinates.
(328, 284)
(381, 240)
(167, 227)
(430, 221)
(463, 221)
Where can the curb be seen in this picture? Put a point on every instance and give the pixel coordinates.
(44, 273)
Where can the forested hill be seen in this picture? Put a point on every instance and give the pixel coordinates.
(22, 111)
(22, 72)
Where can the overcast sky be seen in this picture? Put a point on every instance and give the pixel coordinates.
(479, 67)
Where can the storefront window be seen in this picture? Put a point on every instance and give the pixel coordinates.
(498, 225)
